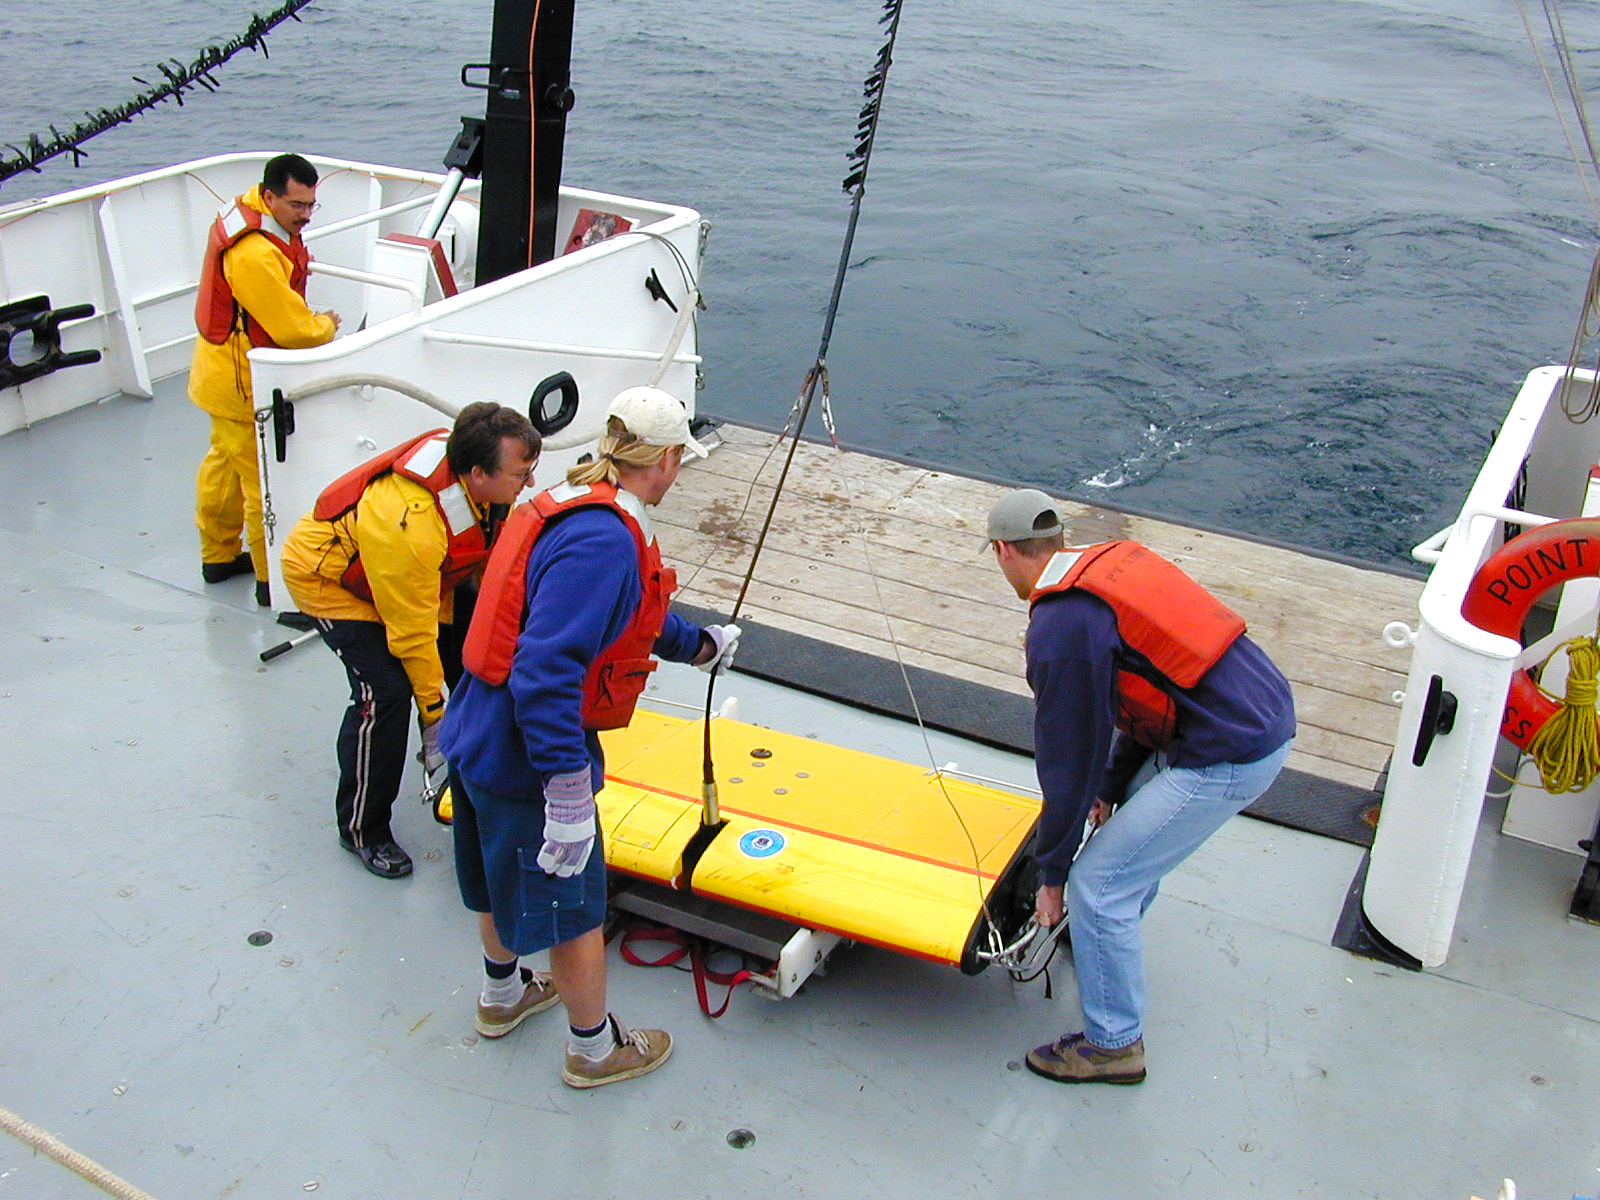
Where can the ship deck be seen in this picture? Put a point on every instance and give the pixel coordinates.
(205, 995)
(885, 558)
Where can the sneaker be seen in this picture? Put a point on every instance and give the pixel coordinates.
(637, 1052)
(497, 1020)
(1075, 1059)
(214, 572)
(384, 859)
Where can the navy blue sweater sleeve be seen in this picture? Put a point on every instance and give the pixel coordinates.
(679, 640)
(1072, 647)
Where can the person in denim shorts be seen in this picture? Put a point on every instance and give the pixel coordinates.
(572, 605)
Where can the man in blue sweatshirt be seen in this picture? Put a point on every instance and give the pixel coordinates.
(573, 604)
(1145, 687)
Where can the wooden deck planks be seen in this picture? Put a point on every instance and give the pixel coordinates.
(858, 537)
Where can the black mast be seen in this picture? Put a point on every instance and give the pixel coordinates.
(530, 93)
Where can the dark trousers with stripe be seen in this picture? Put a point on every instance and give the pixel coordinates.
(376, 729)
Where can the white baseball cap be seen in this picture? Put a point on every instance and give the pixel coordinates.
(655, 417)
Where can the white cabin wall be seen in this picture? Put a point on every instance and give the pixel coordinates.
(587, 314)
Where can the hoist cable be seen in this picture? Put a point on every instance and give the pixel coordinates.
(855, 184)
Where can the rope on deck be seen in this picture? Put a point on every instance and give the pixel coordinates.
(47, 1143)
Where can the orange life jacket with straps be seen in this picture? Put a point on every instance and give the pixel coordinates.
(618, 674)
(1171, 620)
(422, 460)
(216, 312)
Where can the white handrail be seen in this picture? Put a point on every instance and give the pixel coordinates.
(505, 343)
(1433, 549)
(411, 289)
(367, 218)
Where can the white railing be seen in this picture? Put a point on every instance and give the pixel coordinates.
(132, 248)
(1437, 778)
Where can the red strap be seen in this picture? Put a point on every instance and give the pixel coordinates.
(675, 939)
(729, 979)
(678, 945)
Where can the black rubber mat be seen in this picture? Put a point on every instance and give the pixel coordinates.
(995, 718)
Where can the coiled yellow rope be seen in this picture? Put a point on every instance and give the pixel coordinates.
(1567, 748)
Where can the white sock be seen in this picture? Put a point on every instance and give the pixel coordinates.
(501, 993)
(593, 1046)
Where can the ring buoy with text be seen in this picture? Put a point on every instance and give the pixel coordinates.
(1506, 588)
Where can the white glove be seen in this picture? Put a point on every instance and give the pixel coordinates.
(432, 757)
(725, 640)
(568, 824)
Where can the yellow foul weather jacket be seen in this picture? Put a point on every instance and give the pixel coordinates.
(259, 273)
(402, 540)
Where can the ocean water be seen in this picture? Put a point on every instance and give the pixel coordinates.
(1277, 266)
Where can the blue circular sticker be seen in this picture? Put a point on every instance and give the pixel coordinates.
(761, 843)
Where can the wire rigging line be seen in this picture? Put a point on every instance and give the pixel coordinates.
(179, 79)
(855, 184)
(1583, 404)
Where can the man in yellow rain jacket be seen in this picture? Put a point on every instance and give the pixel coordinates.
(252, 293)
(376, 564)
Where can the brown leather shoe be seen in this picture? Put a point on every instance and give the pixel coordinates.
(1075, 1059)
(497, 1020)
(636, 1052)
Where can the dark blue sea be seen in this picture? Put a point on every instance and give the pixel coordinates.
(1277, 266)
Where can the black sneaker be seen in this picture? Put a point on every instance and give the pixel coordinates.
(384, 859)
(213, 572)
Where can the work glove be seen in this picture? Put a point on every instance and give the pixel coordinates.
(725, 640)
(431, 756)
(568, 824)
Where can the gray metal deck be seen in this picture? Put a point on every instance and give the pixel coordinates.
(168, 796)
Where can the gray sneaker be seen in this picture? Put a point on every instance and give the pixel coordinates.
(636, 1052)
(497, 1020)
(1075, 1059)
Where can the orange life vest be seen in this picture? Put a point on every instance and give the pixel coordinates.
(617, 676)
(422, 459)
(216, 312)
(1177, 625)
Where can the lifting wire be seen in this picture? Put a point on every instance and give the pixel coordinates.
(179, 78)
(1024, 953)
(856, 185)
(1581, 145)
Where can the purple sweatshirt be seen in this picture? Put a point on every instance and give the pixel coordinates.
(1240, 711)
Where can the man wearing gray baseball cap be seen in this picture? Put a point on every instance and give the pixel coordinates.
(1145, 686)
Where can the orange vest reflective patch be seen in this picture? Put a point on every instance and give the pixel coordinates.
(422, 460)
(1177, 625)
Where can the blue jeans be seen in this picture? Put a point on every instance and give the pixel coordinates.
(1169, 812)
